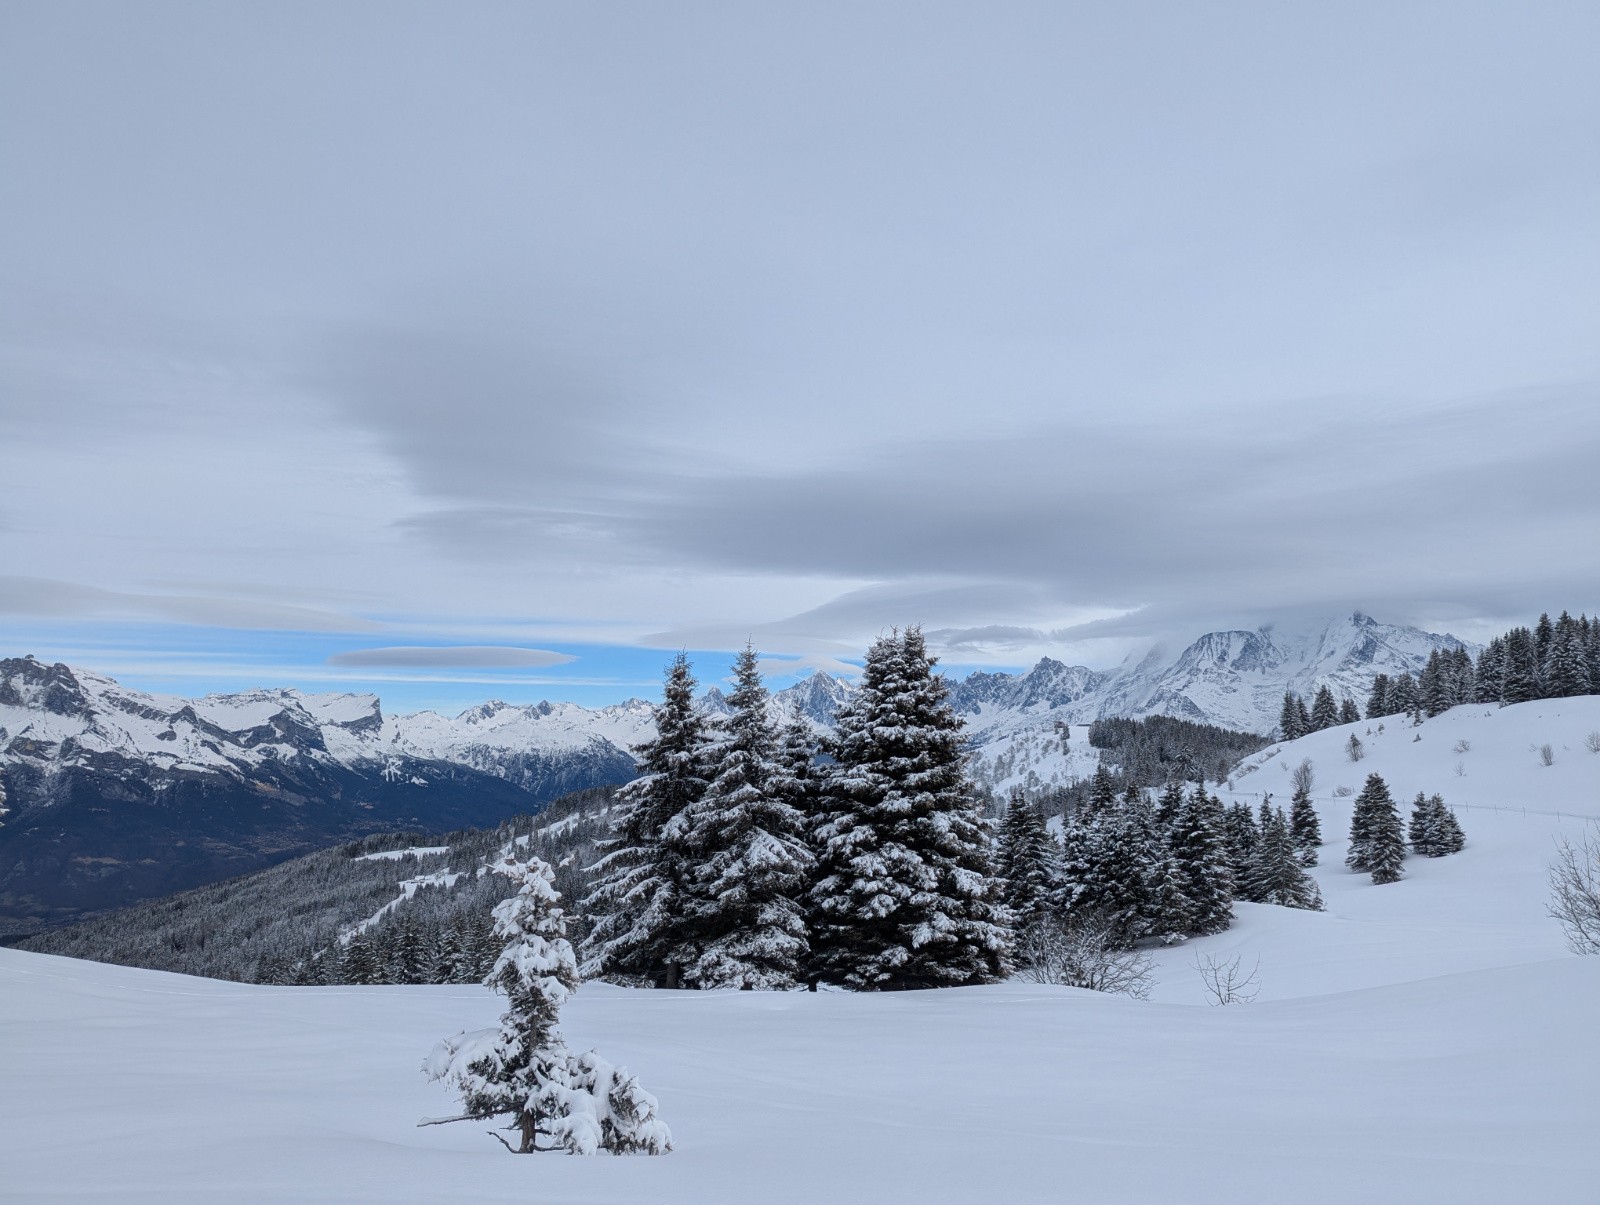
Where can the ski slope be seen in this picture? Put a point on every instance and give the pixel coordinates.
(1430, 1040)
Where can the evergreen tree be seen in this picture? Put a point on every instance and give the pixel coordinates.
(1325, 711)
(641, 928)
(1200, 852)
(1567, 668)
(1305, 829)
(1592, 653)
(1169, 807)
(795, 777)
(1435, 686)
(1029, 862)
(1520, 680)
(1433, 830)
(1289, 719)
(1241, 834)
(1102, 792)
(750, 860)
(556, 1100)
(1377, 841)
(1402, 694)
(1378, 700)
(1349, 713)
(1276, 875)
(1305, 719)
(361, 963)
(1490, 673)
(904, 897)
(408, 957)
(1543, 637)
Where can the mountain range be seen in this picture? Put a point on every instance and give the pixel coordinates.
(110, 795)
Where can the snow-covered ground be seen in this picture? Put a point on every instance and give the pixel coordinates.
(1431, 1040)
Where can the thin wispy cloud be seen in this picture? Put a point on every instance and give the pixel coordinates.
(449, 657)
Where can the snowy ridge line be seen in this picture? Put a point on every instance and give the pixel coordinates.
(394, 855)
(408, 889)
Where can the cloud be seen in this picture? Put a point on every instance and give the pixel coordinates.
(449, 657)
(58, 599)
(1047, 328)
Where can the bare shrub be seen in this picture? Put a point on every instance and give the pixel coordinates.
(1547, 755)
(1344, 792)
(1575, 892)
(1592, 742)
(1083, 952)
(1462, 746)
(1304, 777)
(1354, 749)
(1226, 980)
(1461, 769)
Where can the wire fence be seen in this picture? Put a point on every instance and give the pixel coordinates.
(1513, 809)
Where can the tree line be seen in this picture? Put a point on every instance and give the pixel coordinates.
(1554, 659)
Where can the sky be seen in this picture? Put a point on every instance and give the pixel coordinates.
(464, 349)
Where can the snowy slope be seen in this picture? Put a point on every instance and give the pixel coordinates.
(1476, 910)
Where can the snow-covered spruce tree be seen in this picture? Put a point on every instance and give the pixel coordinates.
(1324, 711)
(1289, 718)
(1102, 793)
(1170, 806)
(1519, 681)
(1305, 829)
(1349, 713)
(1567, 668)
(1276, 876)
(750, 860)
(1434, 831)
(1377, 841)
(1402, 694)
(641, 930)
(1029, 863)
(361, 963)
(1378, 700)
(1239, 826)
(1118, 868)
(905, 895)
(1200, 853)
(523, 1070)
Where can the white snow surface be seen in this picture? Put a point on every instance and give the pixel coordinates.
(1426, 1041)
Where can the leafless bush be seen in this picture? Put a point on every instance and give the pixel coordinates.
(1343, 792)
(1462, 746)
(1226, 980)
(1354, 749)
(1304, 777)
(1083, 952)
(1592, 742)
(1547, 755)
(1575, 892)
(1461, 769)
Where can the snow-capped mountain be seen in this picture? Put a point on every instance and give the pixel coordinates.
(115, 794)
(110, 795)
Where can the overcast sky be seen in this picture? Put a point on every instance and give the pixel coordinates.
(576, 327)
